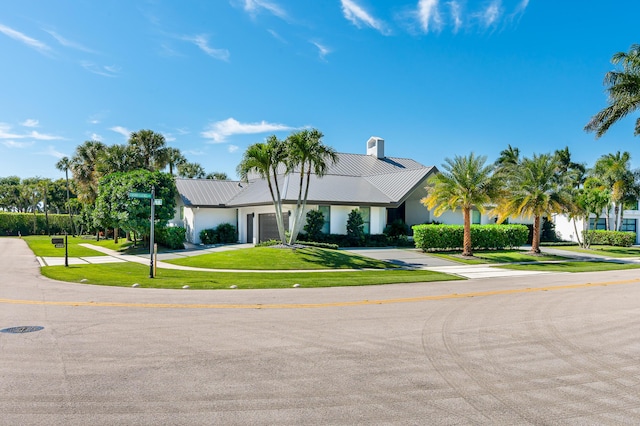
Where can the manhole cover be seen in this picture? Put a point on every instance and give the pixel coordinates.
(22, 329)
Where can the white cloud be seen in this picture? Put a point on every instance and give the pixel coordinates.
(105, 70)
(31, 42)
(491, 14)
(95, 137)
(233, 148)
(168, 137)
(68, 43)
(6, 133)
(52, 152)
(203, 44)
(428, 14)
(456, 15)
(123, 131)
(30, 122)
(323, 50)
(518, 11)
(277, 36)
(220, 130)
(255, 6)
(357, 15)
(14, 144)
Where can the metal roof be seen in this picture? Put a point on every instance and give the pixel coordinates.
(354, 180)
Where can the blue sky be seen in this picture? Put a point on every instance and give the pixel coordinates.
(434, 78)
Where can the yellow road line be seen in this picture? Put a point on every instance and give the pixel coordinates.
(318, 305)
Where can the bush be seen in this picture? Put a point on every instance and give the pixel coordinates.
(611, 238)
(355, 228)
(396, 229)
(23, 223)
(171, 237)
(313, 227)
(450, 237)
(317, 244)
(224, 233)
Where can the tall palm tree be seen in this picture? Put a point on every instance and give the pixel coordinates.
(174, 158)
(191, 171)
(534, 190)
(623, 88)
(464, 182)
(217, 176)
(615, 171)
(150, 148)
(64, 164)
(307, 152)
(116, 158)
(509, 156)
(265, 159)
(84, 166)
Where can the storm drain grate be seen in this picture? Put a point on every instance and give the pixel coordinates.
(22, 329)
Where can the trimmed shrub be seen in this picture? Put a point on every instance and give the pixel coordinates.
(611, 238)
(450, 237)
(12, 223)
(172, 237)
(224, 233)
(313, 227)
(355, 228)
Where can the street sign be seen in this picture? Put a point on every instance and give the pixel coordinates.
(59, 245)
(57, 241)
(139, 195)
(157, 201)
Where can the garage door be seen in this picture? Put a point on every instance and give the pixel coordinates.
(268, 226)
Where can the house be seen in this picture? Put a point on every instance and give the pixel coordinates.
(383, 188)
(566, 229)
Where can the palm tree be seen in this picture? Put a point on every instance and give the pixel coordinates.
(191, 171)
(534, 190)
(464, 182)
(264, 159)
(64, 165)
(623, 88)
(174, 158)
(306, 151)
(614, 170)
(509, 156)
(84, 166)
(116, 158)
(217, 176)
(150, 148)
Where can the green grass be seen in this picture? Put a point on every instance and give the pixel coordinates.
(576, 266)
(495, 256)
(41, 246)
(126, 274)
(275, 258)
(610, 251)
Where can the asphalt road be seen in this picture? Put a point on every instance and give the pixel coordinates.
(549, 349)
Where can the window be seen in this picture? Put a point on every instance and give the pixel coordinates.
(326, 212)
(365, 212)
(628, 225)
(602, 223)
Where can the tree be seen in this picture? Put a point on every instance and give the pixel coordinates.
(313, 227)
(508, 157)
(355, 228)
(615, 171)
(150, 148)
(466, 183)
(64, 165)
(191, 171)
(592, 199)
(217, 176)
(174, 158)
(306, 152)
(534, 190)
(623, 89)
(84, 166)
(264, 159)
(117, 158)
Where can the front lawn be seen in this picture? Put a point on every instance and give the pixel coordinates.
(495, 256)
(576, 266)
(126, 274)
(41, 246)
(602, 250)
(279, 258)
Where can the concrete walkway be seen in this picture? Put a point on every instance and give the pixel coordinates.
(408, 258)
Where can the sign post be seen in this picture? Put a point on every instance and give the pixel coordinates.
(149, 196)
(66, 249)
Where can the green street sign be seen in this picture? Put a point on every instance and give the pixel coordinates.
(157, 201)
(140, 195)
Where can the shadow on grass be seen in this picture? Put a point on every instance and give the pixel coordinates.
(332, 259)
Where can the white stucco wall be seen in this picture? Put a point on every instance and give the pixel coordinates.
(196, 219)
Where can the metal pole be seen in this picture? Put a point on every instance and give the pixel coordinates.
(66, 249)
(153, 216)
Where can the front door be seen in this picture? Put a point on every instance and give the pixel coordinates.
(250, 228)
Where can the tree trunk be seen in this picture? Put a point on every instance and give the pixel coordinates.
(466, 245)
(535, 243)
(115, 235)
(575, 229)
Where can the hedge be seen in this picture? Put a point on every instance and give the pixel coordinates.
(14, 223)
(224, 233)
(450, 237)
(171, 237)
(611, 238)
